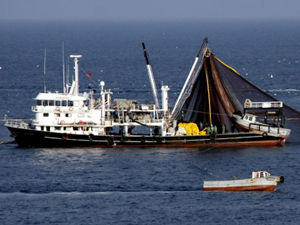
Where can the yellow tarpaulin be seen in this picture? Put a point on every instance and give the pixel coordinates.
(192, 129)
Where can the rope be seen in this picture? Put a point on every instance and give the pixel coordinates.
(203, 169)
(226, 65)
(224, 114)
(292, 118)
(188, 110)
(7, 142)
(184, 67)
(208, 93)
(88, 76)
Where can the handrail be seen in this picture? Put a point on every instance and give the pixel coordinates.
(273, 104)
(263, 125)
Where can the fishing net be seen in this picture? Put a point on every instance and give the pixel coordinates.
(217, 91)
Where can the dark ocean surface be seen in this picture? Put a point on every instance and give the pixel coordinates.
(140, 185)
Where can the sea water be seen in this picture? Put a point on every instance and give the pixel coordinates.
(143, 185)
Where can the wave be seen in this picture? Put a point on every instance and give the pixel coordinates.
(283, 90)
(3, 194)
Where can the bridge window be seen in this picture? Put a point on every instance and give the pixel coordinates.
(261, 174)
(46, 114)
(64, 103)
(51, 103)
(70, 103)
(45, 103)
(39, 102)
(57, 103)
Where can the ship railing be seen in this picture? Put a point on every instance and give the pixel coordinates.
(16, 123)
(58, 109)
(273, 104)
(156, 120)
(255, 125)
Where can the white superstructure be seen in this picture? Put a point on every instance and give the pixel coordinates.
(80, 113)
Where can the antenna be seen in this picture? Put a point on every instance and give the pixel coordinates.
(63, 62)
(45, 71)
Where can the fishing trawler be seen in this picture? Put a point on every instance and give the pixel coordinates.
(202, 115)
(260, 181)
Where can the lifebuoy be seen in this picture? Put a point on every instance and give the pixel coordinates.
(71, 109)
(65, 136)
(80, 122)
(62, 122)
(57, 109)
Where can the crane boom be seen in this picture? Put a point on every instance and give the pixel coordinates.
(151, 78)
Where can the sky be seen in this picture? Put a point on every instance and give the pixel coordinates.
(148, 9)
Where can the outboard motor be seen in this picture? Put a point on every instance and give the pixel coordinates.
(281, 179)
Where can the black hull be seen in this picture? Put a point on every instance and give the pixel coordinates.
(34, 138)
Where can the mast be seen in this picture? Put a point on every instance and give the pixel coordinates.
(151, 77)
(68, 77)
(76, 82)
(63, 62)
(103, 103)
(45, 71)
(165, 99)
(205, 43)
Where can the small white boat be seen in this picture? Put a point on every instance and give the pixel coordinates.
(260, 181)
(248, 122)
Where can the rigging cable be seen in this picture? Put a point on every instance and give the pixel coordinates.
(88, 76)
(208, 94)
(174, 79)
(201, 168)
